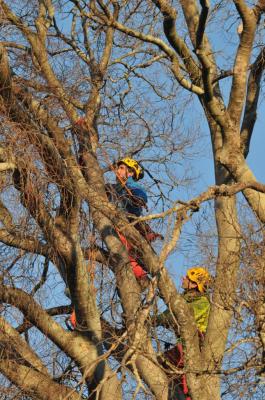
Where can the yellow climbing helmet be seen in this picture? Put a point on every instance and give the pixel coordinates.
(131, 163)
(199, 275)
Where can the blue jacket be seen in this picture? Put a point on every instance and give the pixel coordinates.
(131, 203)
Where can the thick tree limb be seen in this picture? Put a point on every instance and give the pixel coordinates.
(68, 342)
(77, 346)
(253, 91)
(10, 337)
(54, 311)
(241, 63)
(35, 383)
(205, 4)
(201, 51)
(177, 43)
(24, 243)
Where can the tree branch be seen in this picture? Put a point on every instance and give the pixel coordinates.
(205, 4)
(253, 91)
(68, 342)
(241, 63)
(162, 45)
(178, 44)
(10, 337)
(35, 383)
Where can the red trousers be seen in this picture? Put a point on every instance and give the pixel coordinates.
(176, 357)
(138, 271)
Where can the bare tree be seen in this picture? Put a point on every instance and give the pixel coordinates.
(82, 84)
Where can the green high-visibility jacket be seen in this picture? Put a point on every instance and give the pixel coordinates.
(199, 304)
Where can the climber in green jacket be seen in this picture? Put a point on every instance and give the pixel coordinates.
(195, 285)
